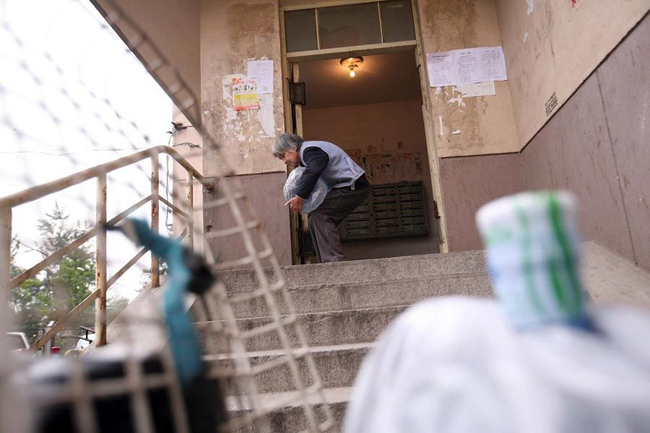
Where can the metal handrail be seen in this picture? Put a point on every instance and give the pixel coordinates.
(100, 173)
(40, 191)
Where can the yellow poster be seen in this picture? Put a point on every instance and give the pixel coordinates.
(244, 94)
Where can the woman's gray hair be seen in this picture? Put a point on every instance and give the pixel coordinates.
(286, 142)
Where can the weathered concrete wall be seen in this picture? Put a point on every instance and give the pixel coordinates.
(470, 182)
(597, 147)
(232, 32)
(625, 85)
(485, 124)
(173, 25)
(573, 152)
(377, 130)
(264, 192)
(551, 47)
(188, 143)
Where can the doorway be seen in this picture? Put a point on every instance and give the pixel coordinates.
(376, 117)
(377, 111)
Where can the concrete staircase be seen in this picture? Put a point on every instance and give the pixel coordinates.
(343, 307)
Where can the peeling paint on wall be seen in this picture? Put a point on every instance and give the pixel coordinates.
(232, 33)
(234, 120)
(531, 6)
(389, 167)
(226, 86)
(487, 123)
(473, 90)
(265, 116)
(556, 56)
(457, 97)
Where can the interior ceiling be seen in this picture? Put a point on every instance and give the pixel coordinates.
(381, 78)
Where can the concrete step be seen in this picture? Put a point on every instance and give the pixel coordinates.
(320, 329)
(374, 294)
(338, 367)
(342, 308)
(290, 417)
(396, 268)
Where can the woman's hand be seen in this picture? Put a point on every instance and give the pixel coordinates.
(295, 204)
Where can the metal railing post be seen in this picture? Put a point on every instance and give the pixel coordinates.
(190, 208)
(155, 207)
(100, 173)
(100, 263)
(5, 259)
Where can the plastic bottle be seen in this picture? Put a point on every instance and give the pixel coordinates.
(533, 253)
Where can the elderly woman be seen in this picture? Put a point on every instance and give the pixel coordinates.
(348, 183)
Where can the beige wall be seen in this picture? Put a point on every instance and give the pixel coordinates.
(264, 193)
(469, 183)
(232, 32)
(173, 26)
(485, 124)
(555, 47)
(392, 128)
(596, 146)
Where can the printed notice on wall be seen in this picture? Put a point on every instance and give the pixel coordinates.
(467, 66)
(442, 64)
(262, 72)
(244, 94)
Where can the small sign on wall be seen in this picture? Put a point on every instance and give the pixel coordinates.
(244, 94)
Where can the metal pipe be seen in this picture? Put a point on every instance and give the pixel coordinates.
(126, 267)
(100, 264)
(45, 189)
(100, 172)
(190, 208)
(5, 260)
(59, 254)
(173, 207)
(155, 207)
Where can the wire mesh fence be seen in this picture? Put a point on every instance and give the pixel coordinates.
(80, 120)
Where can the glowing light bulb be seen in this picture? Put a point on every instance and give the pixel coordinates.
(352, 73)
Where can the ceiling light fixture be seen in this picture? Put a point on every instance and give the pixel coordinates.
(352, 63)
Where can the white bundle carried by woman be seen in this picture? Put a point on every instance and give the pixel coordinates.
(317, 195)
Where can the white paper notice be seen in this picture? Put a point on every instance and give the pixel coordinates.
(477, 89)
(262, 72)
(493, 64)
(467, 66)
(441, 69)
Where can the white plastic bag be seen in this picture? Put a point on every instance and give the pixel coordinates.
(317, 195)
(456, 365)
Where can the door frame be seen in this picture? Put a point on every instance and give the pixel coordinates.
(291, 72)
